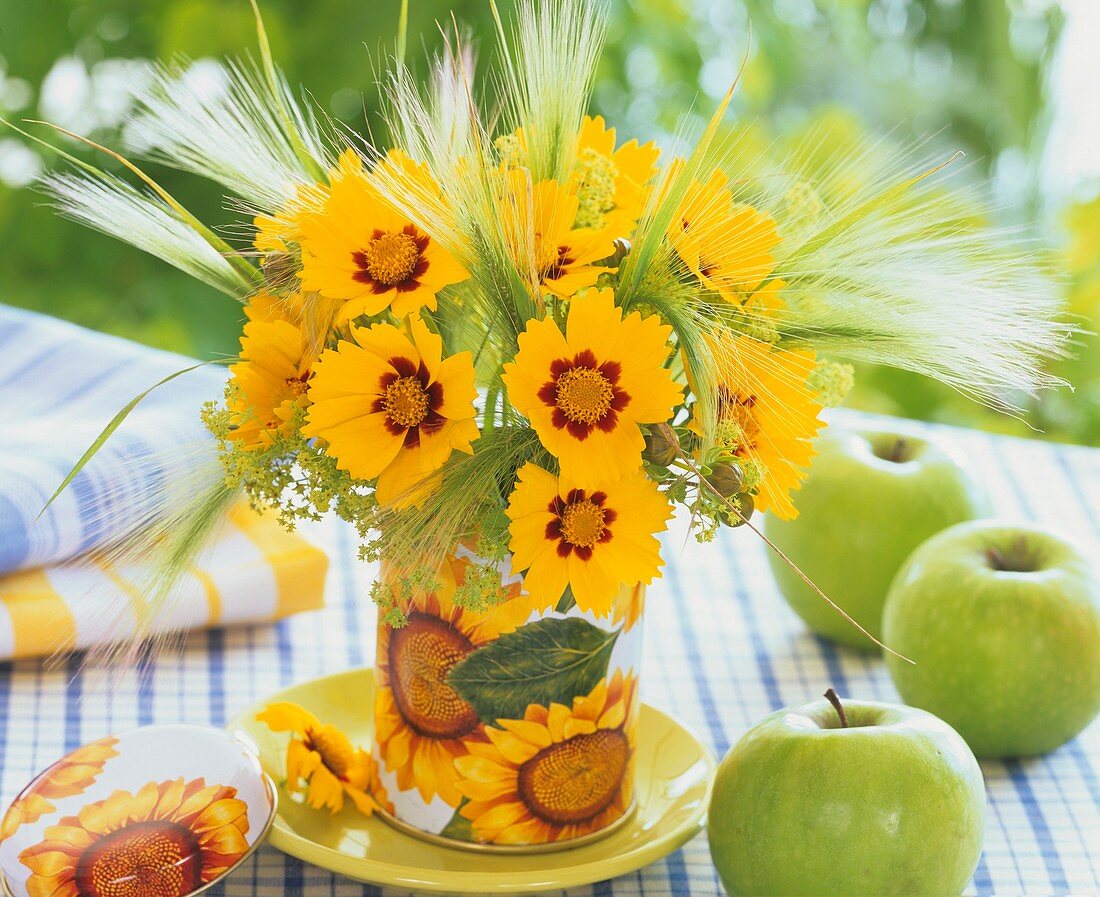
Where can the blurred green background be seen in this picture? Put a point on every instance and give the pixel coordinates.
(1013, 83)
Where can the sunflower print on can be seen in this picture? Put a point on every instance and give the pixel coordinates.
(420, 719)
(559, 773)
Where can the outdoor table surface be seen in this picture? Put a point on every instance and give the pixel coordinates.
(722, 650)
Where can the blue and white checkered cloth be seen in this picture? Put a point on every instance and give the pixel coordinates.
(722, 651)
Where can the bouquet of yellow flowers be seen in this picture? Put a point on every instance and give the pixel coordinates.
(506, 346)
(514, 330)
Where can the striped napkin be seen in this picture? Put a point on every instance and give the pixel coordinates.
(59, 385)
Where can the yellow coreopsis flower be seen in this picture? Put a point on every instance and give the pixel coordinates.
(586, 392)
(768, 414)
(325, 759)
(393, 408)
(360, 249)
(268, 384)
(279, 231)
(726, 244)
(594, 538)
(561, 772)
(610, 183)
(565, 256)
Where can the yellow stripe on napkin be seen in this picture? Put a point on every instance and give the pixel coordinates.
(255, 571)
(299, 558)
(41, 622)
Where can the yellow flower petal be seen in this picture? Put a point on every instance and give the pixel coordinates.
(512, 802)
(284, 716)
(325, 790)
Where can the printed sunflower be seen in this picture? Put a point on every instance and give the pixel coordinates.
(628, 607)
(420, 720)
(169, 838)
(73, 774)
(560, 772)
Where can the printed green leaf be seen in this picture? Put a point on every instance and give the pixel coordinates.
(551, 660)
(459, 827)
(566, 602)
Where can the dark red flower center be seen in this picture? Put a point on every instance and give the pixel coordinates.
(580, 522)
(409, 399)
(392, 260)
(584, 394)
(557, 263)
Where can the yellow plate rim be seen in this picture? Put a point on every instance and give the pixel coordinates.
(511, 882)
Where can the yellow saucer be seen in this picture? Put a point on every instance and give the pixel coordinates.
(674, 775)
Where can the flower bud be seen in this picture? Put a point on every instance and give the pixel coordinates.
(727, 479)
(661, 447)
(745, 504)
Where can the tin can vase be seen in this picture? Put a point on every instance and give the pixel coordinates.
(510, 728)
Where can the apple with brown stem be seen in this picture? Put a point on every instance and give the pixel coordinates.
(847, 798)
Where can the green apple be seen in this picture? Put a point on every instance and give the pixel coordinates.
(892, 803)
(1003, 623)
(870, 498)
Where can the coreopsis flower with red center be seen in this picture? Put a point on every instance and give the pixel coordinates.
(360, 249)
(565, 256)
(280, 231)
(392, 408)
(595, 537)
(587, 391)
(729, 246)
(768, 414)
(268, 385)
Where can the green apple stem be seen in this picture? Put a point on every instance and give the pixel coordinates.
(704, 483)
(900, 451)
(996, 559)
(834, 699)
(1016, 559)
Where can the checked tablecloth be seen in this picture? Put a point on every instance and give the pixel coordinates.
(722, 650)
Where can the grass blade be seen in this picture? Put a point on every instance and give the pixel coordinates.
(111, 427)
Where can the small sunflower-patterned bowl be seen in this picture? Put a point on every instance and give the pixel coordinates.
(160, 811)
